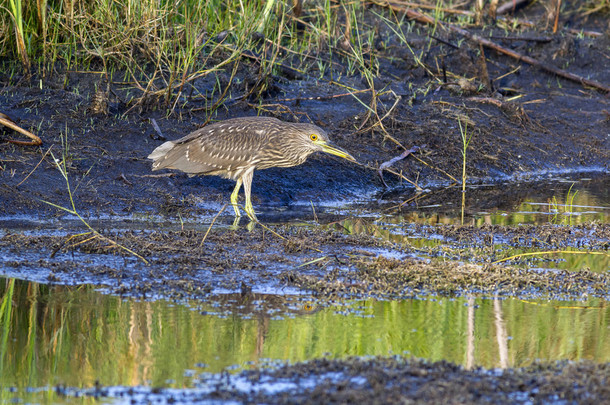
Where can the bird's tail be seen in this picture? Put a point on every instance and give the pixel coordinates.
(159, 154)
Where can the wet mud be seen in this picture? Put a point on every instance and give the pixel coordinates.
(303, 245)
(386, 381)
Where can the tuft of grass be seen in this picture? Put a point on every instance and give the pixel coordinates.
(566, 210)
(165, 46)
(466, 138)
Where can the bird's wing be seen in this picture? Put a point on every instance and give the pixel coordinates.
(224, 148)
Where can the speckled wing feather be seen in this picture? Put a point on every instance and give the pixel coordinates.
(226, 148)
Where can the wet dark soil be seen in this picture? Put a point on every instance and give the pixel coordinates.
(385, 381)
(553, 126)
(328, 263)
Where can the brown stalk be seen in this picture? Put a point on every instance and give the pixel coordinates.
(556, 23)
(493, 9)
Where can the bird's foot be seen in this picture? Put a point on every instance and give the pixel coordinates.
(235, 225)
(250, 211)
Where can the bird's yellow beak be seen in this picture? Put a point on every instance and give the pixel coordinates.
(334, 150)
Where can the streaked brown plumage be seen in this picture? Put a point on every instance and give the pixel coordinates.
(236, 147)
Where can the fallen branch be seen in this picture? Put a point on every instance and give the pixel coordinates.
(6, 121)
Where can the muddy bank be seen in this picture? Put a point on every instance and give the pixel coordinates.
(329, 263)
(382, 381)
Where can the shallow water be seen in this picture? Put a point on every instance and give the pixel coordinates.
(557, 200)
(77, 336)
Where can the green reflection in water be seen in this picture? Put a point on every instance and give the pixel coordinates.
(562, 203)
(76, 336)
(562, 260)
(566, 204)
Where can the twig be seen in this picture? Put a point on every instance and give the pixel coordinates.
(35, 167)
(211, 224)
(557, 10)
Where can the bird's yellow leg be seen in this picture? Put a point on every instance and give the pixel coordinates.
(247, 179)
(234, 197)
(250, 210)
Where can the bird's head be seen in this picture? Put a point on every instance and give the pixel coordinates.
(316, 140)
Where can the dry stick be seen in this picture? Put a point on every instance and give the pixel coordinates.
(422, 18)
(531, 61)
(211, 224)
(6, 121)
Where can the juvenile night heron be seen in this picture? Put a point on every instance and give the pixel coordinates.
(236, 147)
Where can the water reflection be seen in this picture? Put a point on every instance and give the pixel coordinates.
(567, 203)
(561, 201)
(425, 242)
(76, 336)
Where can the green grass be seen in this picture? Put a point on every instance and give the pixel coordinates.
(164, 47)
(563, 213)
(466, 138)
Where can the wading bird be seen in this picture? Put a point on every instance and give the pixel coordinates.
(236, 147)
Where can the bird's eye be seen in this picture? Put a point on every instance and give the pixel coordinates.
(313, 137)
